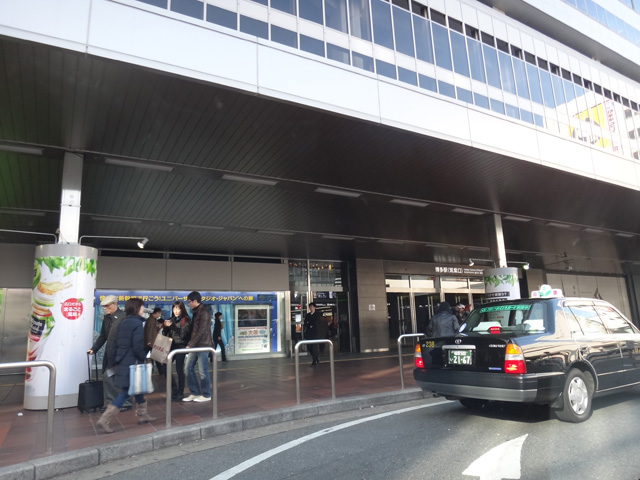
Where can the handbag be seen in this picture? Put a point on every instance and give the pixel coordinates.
(140, 379)
(161, 348)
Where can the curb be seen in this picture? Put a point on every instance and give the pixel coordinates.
(75, 460)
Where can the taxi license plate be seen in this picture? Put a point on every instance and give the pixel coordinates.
(460, 357)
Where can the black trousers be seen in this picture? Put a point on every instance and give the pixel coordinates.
(217, 342)
(178, 389)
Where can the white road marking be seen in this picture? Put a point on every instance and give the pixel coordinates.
(294, 443)
(500, 462)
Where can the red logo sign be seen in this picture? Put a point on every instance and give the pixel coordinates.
(72, 308)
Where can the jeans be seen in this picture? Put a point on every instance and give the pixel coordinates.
(204, 386)
(123, 395)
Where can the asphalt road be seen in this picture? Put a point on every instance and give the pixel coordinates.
(428, 439)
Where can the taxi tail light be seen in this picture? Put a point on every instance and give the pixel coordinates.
(514, 360)
(417, 357)
(494, 330)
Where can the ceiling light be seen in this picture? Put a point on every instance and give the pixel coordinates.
(340, 193)
(470, 212)
(113, 219)
(254, 180)
(203, 227)
(21, 149)
(31, 213)
(275, 232)
(142, 242)
(516, 219)
(556, 224)
(471, 263)
(411, 203)
(141, 165)
(625, 235)
(592, 230)
(337, 237)
(29, 233)
(391, 242)
(526, 266)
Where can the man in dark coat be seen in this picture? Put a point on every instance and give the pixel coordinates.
(200, 337)
(112, 318)
(311, 333)
(444, 323)
(217, 334)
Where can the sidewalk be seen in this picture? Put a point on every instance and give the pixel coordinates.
(244, 387)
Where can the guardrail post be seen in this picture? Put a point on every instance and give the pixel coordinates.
(406, 335)
(51, 395)
(214, 381)
(331, 362)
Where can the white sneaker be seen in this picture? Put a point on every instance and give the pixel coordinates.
(202, 398)
(190, 398)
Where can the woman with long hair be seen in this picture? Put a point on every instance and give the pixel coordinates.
(178, 327)
(128, 350)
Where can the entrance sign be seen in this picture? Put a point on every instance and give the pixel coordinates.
(501, 284)
(61, 322)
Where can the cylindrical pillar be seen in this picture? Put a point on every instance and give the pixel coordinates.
(501, 284)
(61, 326)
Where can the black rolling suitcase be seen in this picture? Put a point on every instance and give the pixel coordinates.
(90, 395)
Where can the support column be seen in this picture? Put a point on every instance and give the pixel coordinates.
(70, 199)
(500, 283)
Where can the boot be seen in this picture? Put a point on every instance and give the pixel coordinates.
(108, 415)
(143, 416)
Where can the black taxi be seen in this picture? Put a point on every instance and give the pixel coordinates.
(556, 351)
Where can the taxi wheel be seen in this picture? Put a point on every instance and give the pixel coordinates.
(473, 403)
(577, 397)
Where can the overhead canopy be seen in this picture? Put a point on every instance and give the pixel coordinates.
(187, 138)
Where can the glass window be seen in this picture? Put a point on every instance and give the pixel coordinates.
(386, 69)
(403, 31)
(454, 283)
(534, 84)
(222, 17)
(396, 281)
(446, 89)
(459, 50)
(335, 12)
(497, 106)
(423, 281)
(360, 19)
(382, 32)
(362, 61)
(506, 72)
(263, 2)
(193, 8)
(591, 9)
(602, 16)
(337, 53)
(615, 322)
(611, 20)
(475, 60)
(588, 319)
(254, 27)
(538, 120)
(311, 10)
(422, 33)
(284, 36)
(582, 6)
(521, 78)
(481, 100)
(569, 92)
(512, 111)
(427, 83)
(557, 89)
(441, 46)
(491, 64)
(155, 3)
(312, 45)
(407, 76)
(464, 95)
(526, 116)
(547, 90)
(287, 6)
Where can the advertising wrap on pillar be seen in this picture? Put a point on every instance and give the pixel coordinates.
(61, 325)
(501, 284)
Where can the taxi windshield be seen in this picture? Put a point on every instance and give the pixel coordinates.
(524, 317)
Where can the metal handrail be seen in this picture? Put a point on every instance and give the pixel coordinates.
(52, 393)
(214, 382)
(333, 376)
(406, 335)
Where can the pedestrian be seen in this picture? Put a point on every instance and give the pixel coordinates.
(110, 321)
(129, 349)
(444, 323)
(153, 326)
(218, 323)
(178, 328)
(322, 331)
(310, 332)
(459, 313)
(200, 337)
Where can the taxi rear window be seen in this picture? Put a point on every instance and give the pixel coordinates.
(524, 318)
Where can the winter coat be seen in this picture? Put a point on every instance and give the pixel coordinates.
(129, 348)
(311, 325)
(151, 331)
(443, 324)
(179, 331)
(201, 332)
(107, 335)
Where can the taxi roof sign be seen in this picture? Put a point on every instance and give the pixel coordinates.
(547, 292)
